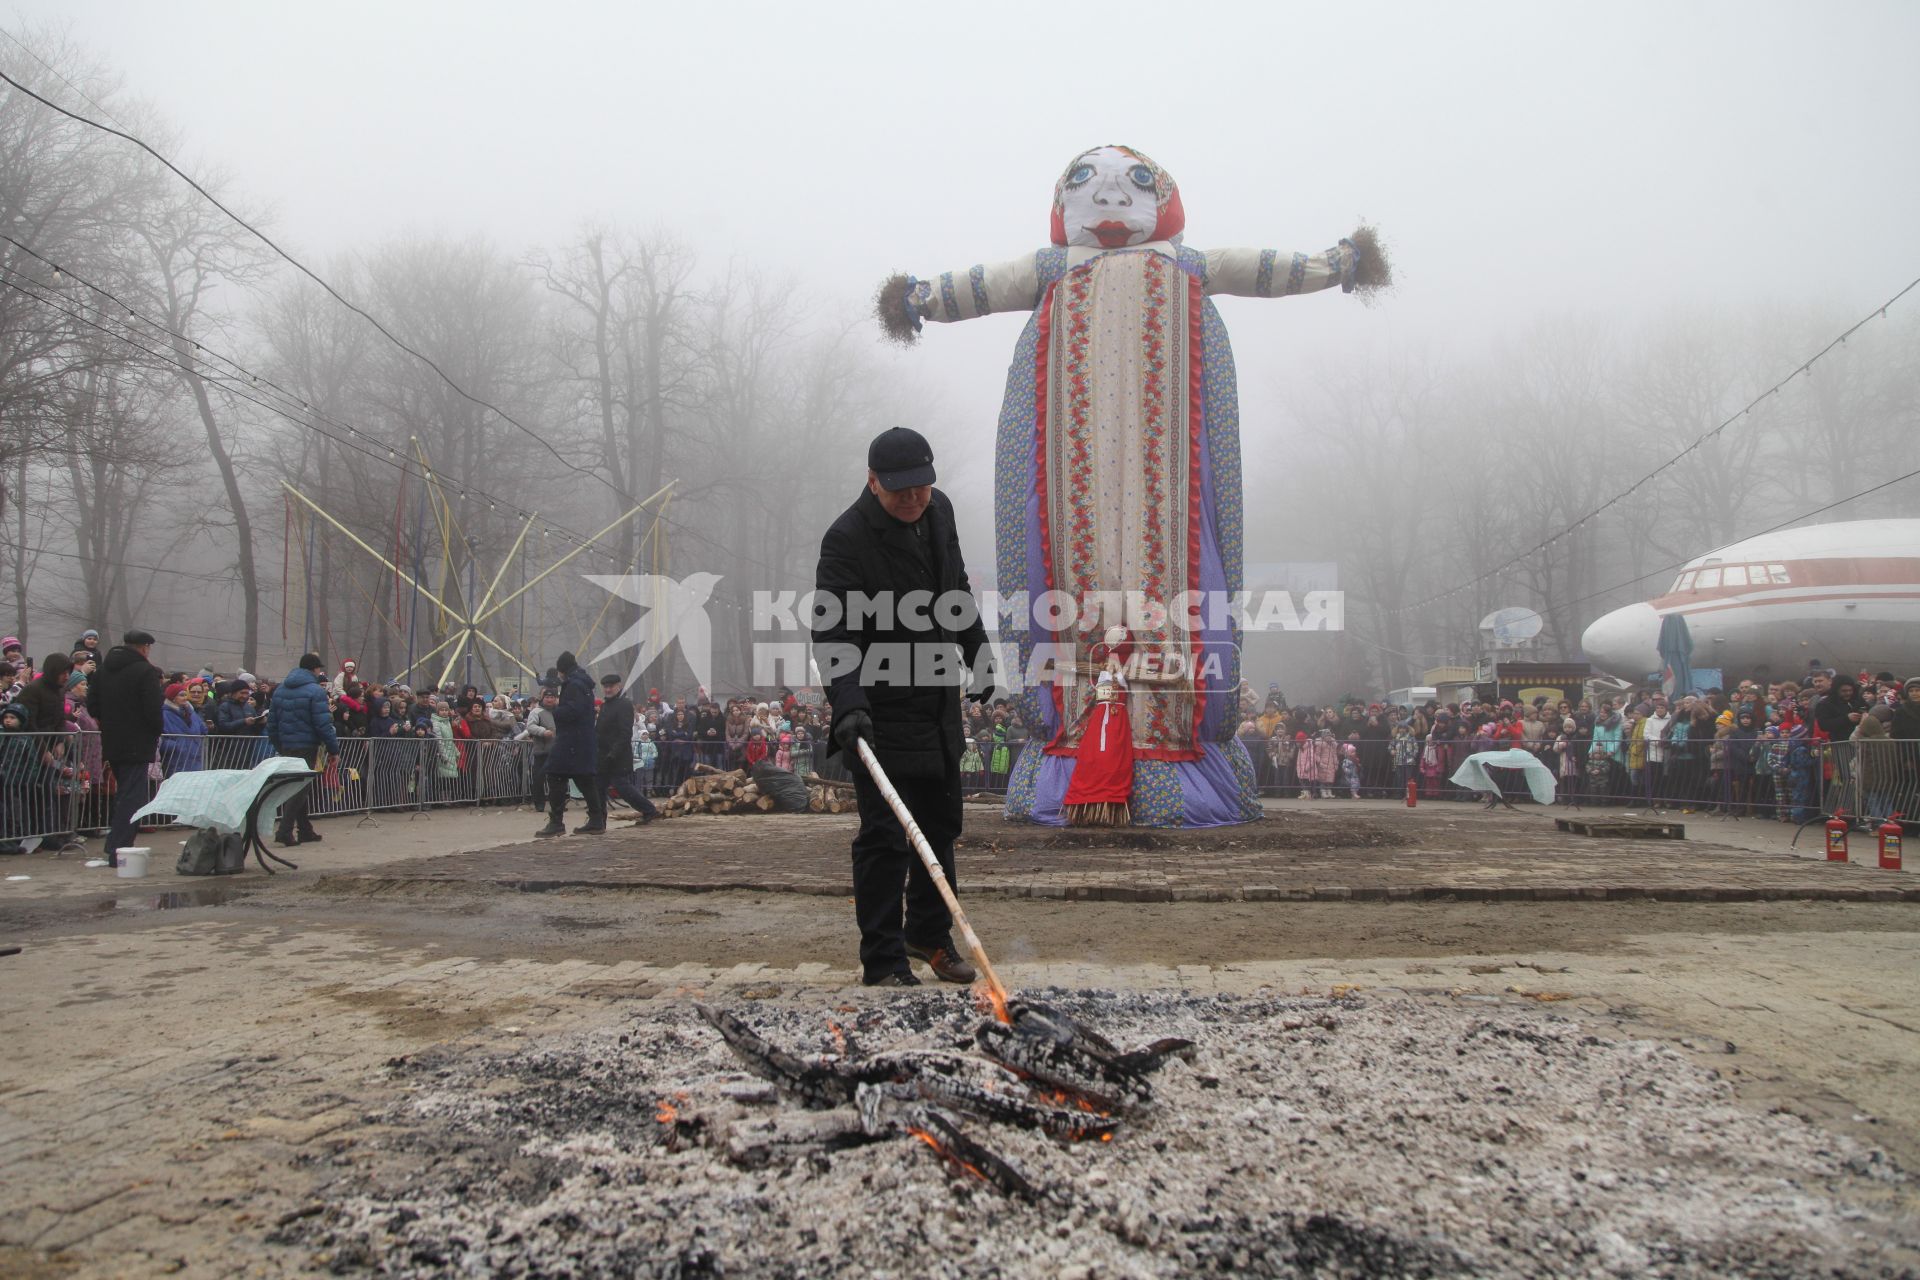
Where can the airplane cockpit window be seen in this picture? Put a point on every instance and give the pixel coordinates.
(1735, 575)
(1778, 572)
(1708, 578)
(1684, 582)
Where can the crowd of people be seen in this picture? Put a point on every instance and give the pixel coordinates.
(1761, 749)
(1765, 749)
(392, 744)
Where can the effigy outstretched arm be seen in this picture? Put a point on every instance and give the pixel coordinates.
(904, 303)
(1358, 262)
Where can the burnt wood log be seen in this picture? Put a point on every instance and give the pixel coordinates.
(1100, 1079)
(818, 1085)
(1034, 1018)
(784, 1137)
(966, 1158)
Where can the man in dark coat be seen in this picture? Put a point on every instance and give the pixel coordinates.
(125, 699)
(613, 749)
(299, 723)
(885, 686)
(572, 758)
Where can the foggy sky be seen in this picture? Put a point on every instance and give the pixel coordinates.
(1621, 160)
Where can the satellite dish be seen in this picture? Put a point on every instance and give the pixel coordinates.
(1511, 628)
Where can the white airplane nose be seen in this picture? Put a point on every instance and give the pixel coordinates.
(1626, 642)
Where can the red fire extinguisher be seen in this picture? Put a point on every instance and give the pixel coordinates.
(1413, 793)
(1837, 837)
(1890, 844)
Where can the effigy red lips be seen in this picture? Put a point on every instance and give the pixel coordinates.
(1112, 235)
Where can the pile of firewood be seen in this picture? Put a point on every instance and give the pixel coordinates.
(712, 790)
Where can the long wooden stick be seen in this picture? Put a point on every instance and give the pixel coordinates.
(932, 863)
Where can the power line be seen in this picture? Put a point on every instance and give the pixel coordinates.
(225, 579)
(1805, 368)
(291, 398)
(55, 73)
(1772, 528)
(361, 312)
(245, 393)
(331, 292)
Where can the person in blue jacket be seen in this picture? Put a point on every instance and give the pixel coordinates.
(183, 734)
(572, 759)
(299, 723)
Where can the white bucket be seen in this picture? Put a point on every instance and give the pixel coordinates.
(133, 864)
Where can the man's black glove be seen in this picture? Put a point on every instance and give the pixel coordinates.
(985, 693)
(850, 728)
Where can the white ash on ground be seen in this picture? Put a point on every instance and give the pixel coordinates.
(1379, 1136)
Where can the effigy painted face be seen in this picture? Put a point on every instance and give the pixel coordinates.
(1112, 197)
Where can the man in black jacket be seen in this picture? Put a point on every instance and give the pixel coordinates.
(125, 699)
(572, 758)
(613, 737)
(888, 685)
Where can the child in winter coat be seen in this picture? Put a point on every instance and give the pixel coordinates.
(802, 750)
(1769, 764)
(972, 764)
(1317, 764)
(1800, 774)
(1569, 761)
(1406, 756)
(1350, 765)
(1778, 758)
(783, 754)
(19, 770)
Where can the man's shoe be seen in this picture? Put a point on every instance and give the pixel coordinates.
(591, 829)
(898, 978)
(309, 837)
(551, 829)
(946, 963)
(288, 839)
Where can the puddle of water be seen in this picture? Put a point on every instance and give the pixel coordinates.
(172, 901)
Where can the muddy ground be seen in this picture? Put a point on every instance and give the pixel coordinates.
(193, 1061)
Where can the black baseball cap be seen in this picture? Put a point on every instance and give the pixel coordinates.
(901, 457)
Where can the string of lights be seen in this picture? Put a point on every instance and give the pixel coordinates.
(1804, 369)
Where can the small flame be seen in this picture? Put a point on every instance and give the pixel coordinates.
(667, 1113)
(987, 999)
(839, 1036)
(940, 1149)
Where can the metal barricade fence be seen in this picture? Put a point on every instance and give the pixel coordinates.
(367, 775)
(1875, 778)
(40, 776)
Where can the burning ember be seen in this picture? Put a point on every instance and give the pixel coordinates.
(1389, 1135)
(1039, 1070)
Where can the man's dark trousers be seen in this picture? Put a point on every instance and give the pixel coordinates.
(623, 785)
(130, 792)
(589, 787)
(293, 814)
(884, 862)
